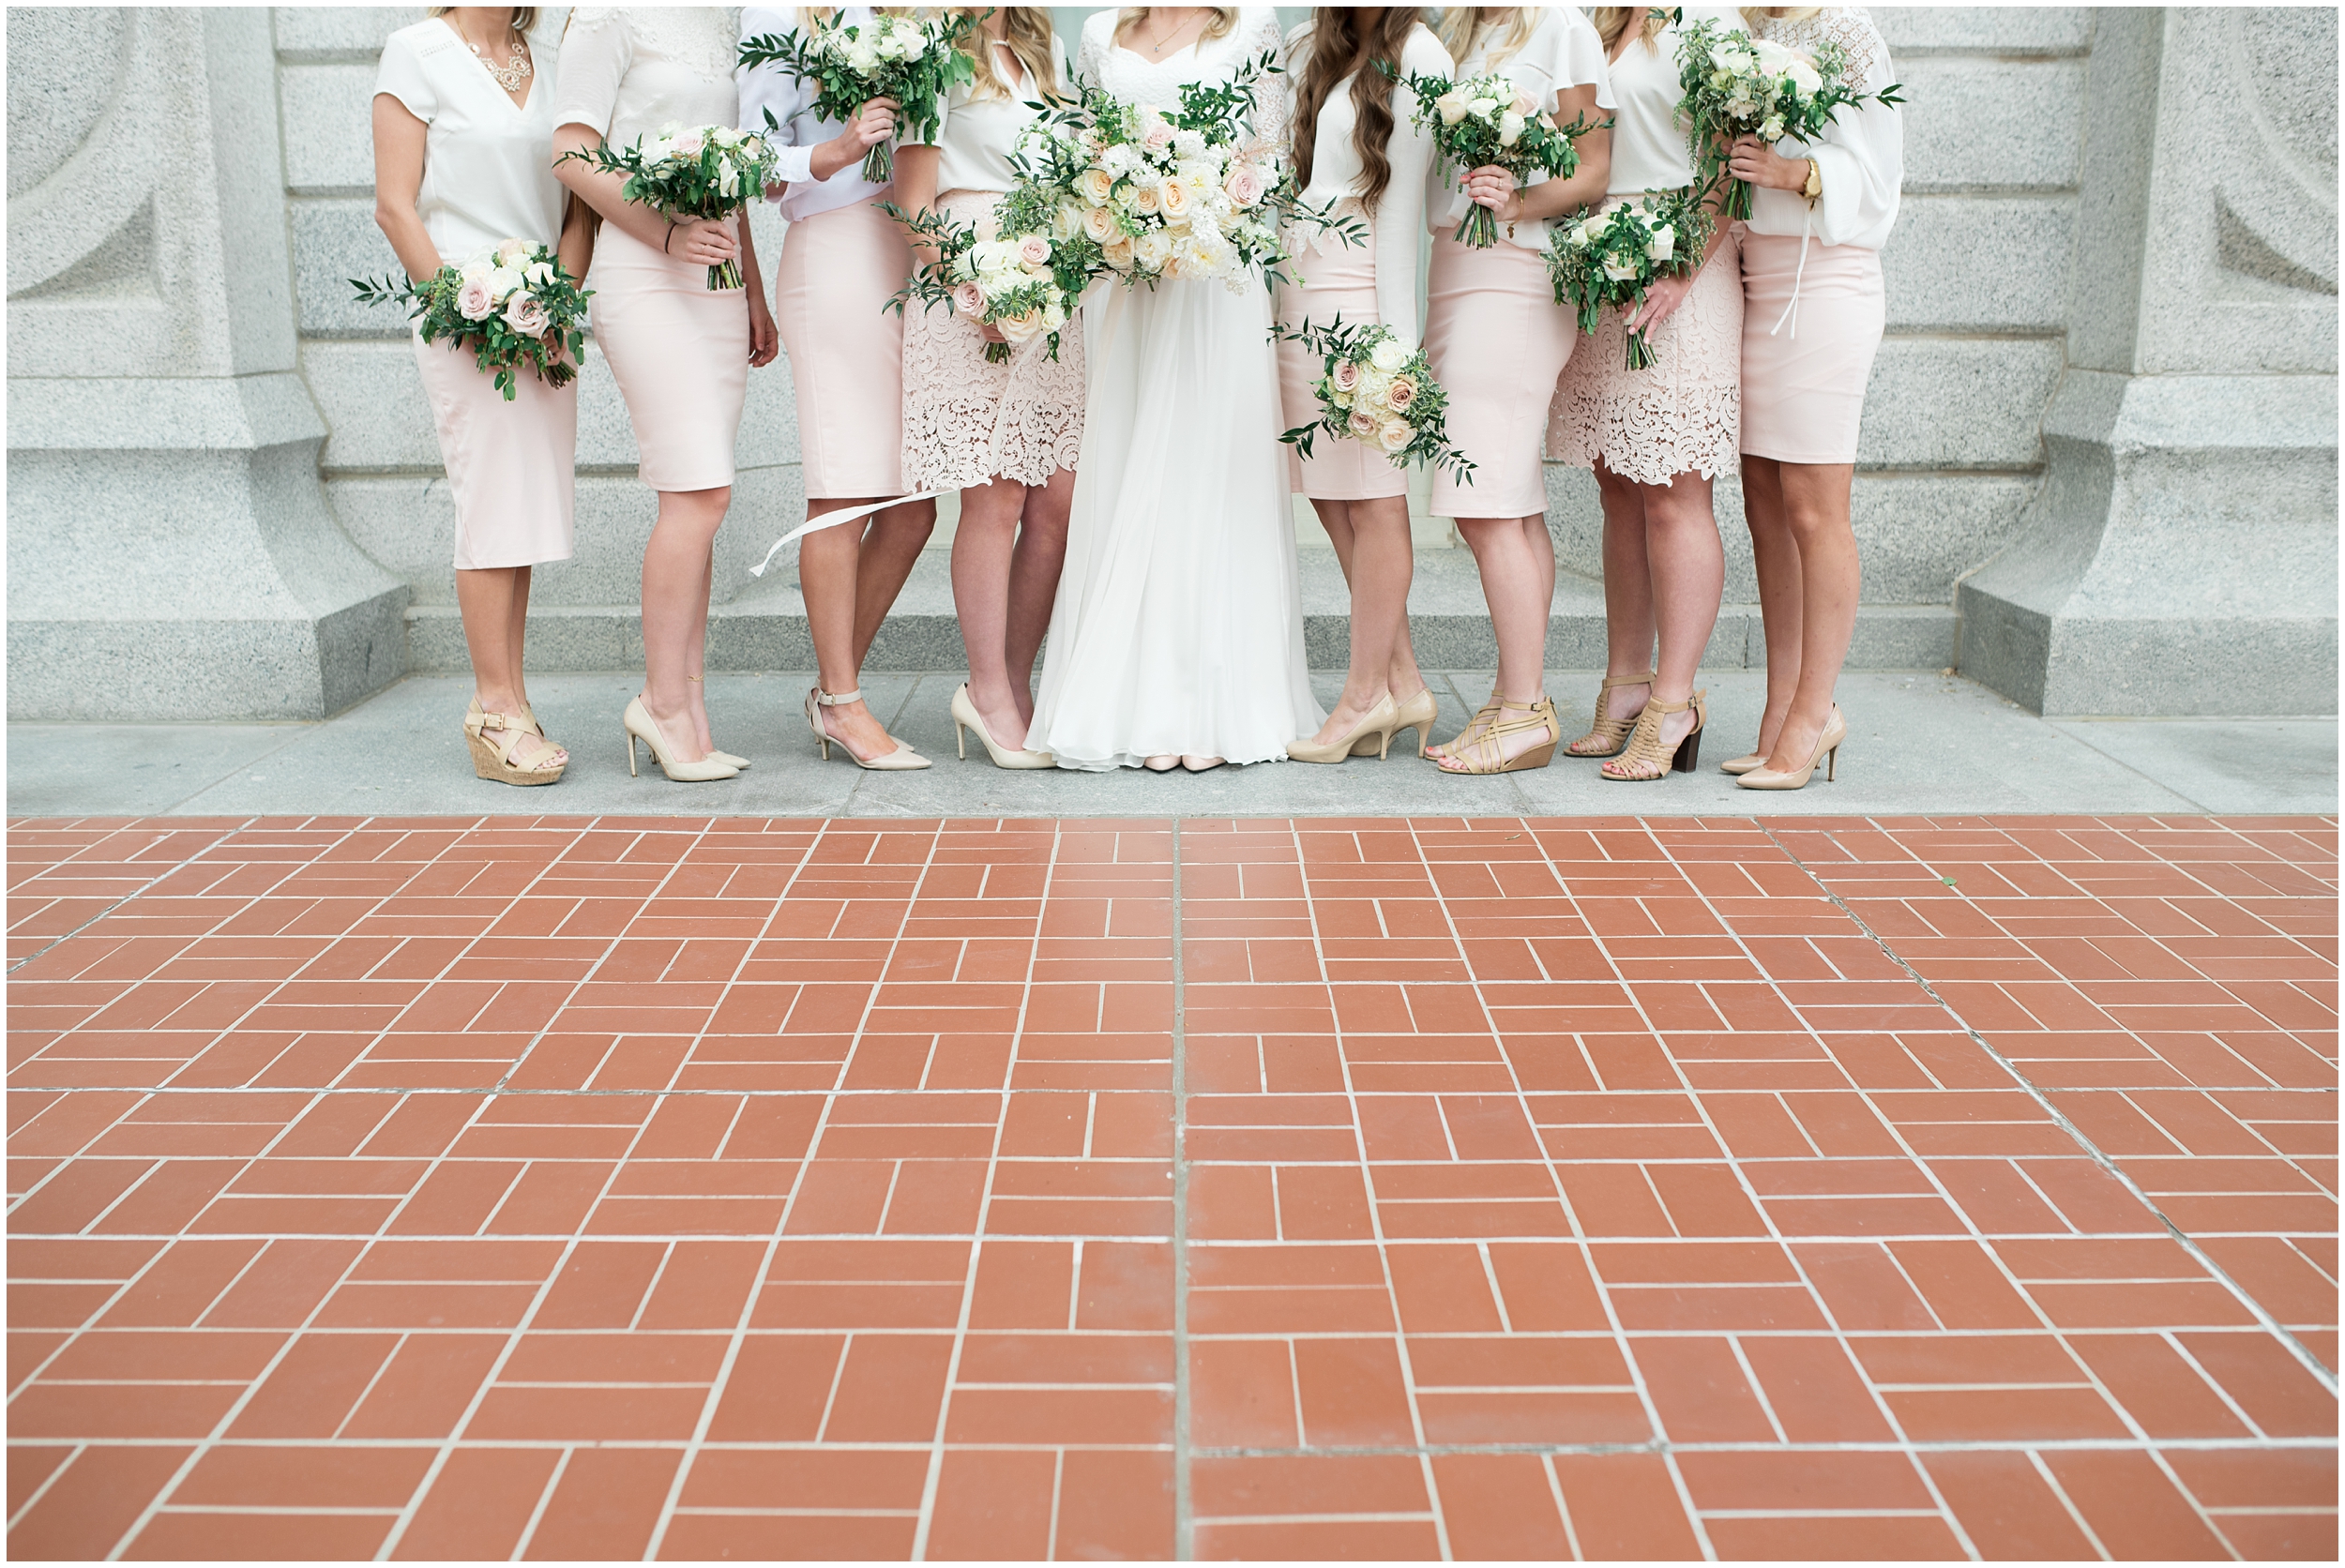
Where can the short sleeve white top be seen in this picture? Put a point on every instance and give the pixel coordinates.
(628, 71)
(979, 135)
(797, 129)
(1650, 150)
(488, 162)
(1337, 172)
(1562, 51)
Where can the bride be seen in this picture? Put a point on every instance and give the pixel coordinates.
(1177, 639)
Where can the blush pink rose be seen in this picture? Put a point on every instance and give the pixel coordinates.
(969, 300)
(1346, 375)
(474, 302)
(1244, 185)
(527, 315)
(1402, 393)
(1034, 251)
(1363, 425)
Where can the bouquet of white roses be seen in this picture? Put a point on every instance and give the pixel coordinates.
(1009, 282)
(911, 60)
(699, 171)
(1738, 85)
(512, 305)
(1489, 121)
(1616, 256)
(1377, 392)
(1130, 189)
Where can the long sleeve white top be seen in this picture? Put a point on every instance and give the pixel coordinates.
(797, 129)
(1861, 155)
(1650, 147)
(1562, 51)
(1337, 176)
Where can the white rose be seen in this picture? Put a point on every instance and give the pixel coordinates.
(1773, 129)
(1393, 434)
(1389, 356)
(1621, 272)
(1662, 245)
(1188, 145)
(1773, 57)
(1804, 77)
(503, 281)
(1451, 108)
(888, 45)
(1509, 128)
(862, 57)
(1482, 107)
(539, 273)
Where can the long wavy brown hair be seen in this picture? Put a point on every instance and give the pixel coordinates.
(1346, 40)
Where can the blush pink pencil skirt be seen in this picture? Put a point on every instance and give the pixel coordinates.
(838, 270)
(679, 351)
(510, 466)
(1497, 341)
(1804, 380)
(1337, 279)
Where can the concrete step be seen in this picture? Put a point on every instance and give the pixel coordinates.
(764, 627)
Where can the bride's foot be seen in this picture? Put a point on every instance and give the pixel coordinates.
(1164, 762)
(1201, 765)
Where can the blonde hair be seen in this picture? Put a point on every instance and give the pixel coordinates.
(1612, 21)
(1461, 24)
(1757, 17)
(1027, 31)
(524, 17)
(1224, 19)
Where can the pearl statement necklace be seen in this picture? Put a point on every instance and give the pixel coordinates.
(508, 76)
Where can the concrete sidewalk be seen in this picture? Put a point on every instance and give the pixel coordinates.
(1920, 743)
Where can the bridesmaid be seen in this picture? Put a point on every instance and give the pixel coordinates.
(679, 350)
(1657, 437)
(1813, 311)
(1357, 148)
(1005, 436)
(464, 119)
(841, 262)
(1497, 343)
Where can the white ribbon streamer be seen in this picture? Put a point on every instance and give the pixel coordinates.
(1791, 311)
(832, 519)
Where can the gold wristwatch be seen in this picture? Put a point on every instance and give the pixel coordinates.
(1814, 187)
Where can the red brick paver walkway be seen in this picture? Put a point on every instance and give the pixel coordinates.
(589, 1188)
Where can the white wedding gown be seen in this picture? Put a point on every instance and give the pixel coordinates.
(1179, 620)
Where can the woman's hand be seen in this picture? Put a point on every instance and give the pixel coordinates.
(1754, 163)
(1495, 188)
(874, 123)
(1660, 302)
(706, 241)
(765, 339)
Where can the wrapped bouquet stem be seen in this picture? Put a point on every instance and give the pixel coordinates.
(512, 305)
(1737, 85)
(699, 172)
(1376, 391)
(909, 59)
(1614, 257)
(1486, 122)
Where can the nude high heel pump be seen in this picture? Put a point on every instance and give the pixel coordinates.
(1827, 752)
(966, 717)
(1419, 713)
(725, 757)
(1375, 726)
(1609, 733)
(903, 760)
(639, 726)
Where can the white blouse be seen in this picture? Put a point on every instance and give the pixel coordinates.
(1337, 173)
(1562, 51)
(1862, 156)
(1650, 150)
(978, 136)
(630, 70)
(488, 163)
(797, 129)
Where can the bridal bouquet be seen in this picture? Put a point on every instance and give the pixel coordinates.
(1489, 121)
(1129, 189)
(914, 60)
(1616, 256)
(703, 171)
(1377, 392)
(1738, 85)
(1013, 281)
(512, 305)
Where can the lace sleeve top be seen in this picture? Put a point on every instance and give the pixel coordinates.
(797, 129)
(1562, 52)
(1650, 150)
(627, 71)
(1861, 155)
(488, 162)
(1338, 173)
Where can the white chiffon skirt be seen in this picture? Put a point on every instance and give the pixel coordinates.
(1179, 620)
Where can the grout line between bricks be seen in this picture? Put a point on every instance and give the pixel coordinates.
(2271, 1325)
(1184, 1527)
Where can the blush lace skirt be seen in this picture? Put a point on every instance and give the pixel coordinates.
(1684, 414)
(965, 420)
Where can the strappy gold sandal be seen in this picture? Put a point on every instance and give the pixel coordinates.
(1609, 733)
(1475, 726)
(1647, 753)
(494, 759)
(1485, 751)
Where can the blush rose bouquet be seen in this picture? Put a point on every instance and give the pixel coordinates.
(1375, 390)
(991, 274)
(512, 305)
